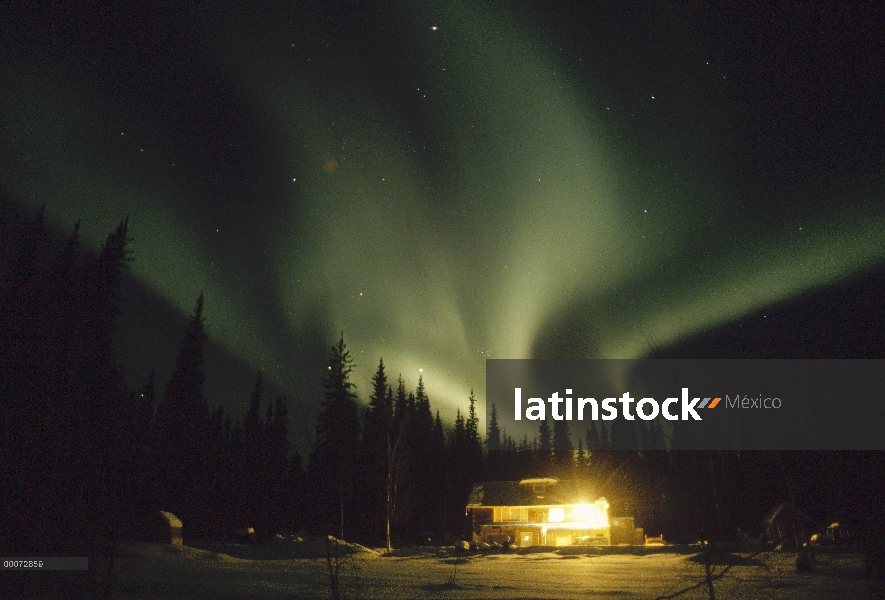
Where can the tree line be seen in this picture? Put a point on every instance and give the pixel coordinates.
(86, 458)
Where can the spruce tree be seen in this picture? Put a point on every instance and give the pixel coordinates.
(279, 480)
(437, 479)
(376, 450)
(333, 462)
(495, 460)
(100, 393)
(182, 420)
(408, 501)
(471, 429)
(473, 450)
(493, 439)
(400, 404)
(455, 470)
(254, 454)
(422, 430)
(400, 462)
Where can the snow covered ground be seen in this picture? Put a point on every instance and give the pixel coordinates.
(271, 572)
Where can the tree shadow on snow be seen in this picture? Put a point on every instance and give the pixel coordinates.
(449, 586)
(727, 559)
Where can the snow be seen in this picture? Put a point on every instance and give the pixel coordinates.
(283, 569)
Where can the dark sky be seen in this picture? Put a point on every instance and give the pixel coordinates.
(450, 181)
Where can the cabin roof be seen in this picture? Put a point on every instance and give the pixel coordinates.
(529, 492)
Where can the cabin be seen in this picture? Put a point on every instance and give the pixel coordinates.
(538, 512)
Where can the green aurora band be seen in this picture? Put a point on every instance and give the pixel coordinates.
(499, 203)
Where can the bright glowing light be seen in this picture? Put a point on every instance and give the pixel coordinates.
(582, 512)
(591, 516)
(556, 515)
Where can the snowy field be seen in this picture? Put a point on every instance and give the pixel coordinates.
(275, 571)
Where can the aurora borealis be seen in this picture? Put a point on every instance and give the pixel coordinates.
(445, 181)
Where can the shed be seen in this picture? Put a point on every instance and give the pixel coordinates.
(160, 526)
(786, 524)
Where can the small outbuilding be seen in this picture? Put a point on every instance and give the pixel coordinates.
(162, 527)
(786, 524)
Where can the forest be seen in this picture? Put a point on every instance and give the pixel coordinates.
(86, 458)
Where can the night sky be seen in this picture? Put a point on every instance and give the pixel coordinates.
(447, 181)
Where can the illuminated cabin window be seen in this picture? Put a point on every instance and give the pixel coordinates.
(556, 515)
(510, 513)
